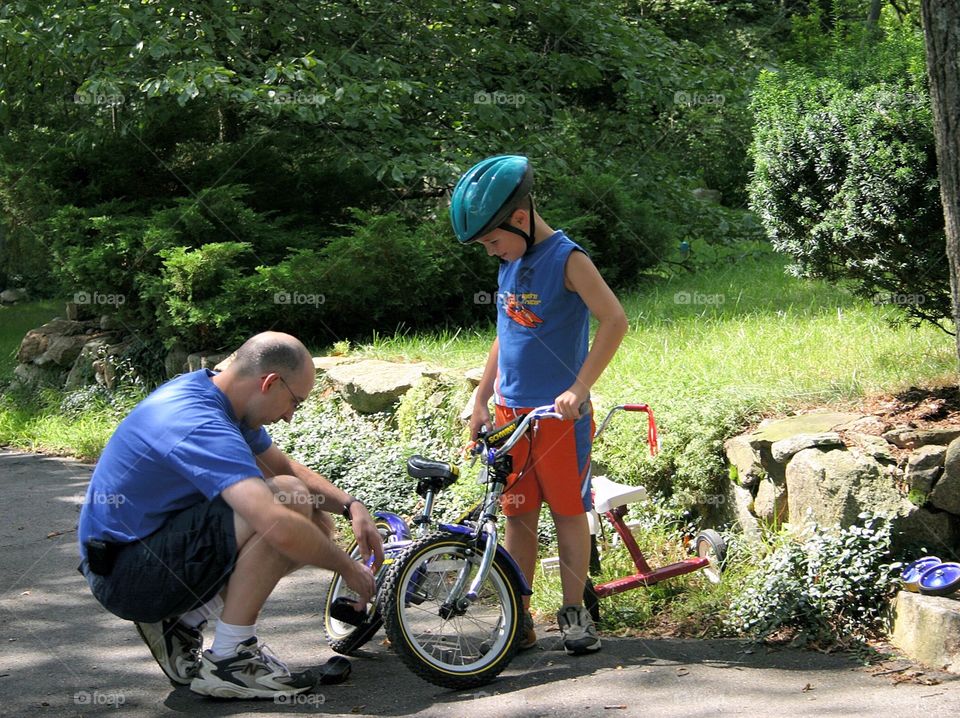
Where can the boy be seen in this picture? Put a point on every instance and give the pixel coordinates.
(548, 288)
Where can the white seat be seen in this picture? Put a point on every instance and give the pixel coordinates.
(608, 495)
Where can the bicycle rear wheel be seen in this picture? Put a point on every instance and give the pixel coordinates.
(451, 646)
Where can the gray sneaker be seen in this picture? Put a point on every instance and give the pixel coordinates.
(579, 633)
(253, 673)
(175, 647)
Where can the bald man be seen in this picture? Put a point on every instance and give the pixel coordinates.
(192, 511)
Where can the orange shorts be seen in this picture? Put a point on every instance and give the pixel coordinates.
(551, 464)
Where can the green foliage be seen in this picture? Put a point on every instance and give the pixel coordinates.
(827, 584)
(845, 177)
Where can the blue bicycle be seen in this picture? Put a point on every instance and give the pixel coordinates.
(450, 599)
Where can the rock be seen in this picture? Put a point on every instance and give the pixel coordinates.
(815, 423)
(82, 372)
(922, 480)
(770, 504)
(468, 408)
(175, 363)
(909, 438)
(931, 456)
(204, 360)
(920, 528)
(32, 375)
(373, 385)
(785, 448)
(105, 367)
(224, 363)
(736, 506)
(474, 375)
(927, 628)
(62, 351)
(12, 296)
(109, 322)
(745, 460)
(323, 364)
(872, 445)
(946, 492)
(837, 485)
(870, 425)
(36, 341)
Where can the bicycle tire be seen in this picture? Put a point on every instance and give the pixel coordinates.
(466, 650)
(344, 638)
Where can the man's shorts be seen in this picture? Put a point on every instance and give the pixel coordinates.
(551, 464)
(177, 568)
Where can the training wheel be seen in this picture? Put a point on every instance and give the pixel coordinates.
(910, 576)
(940, 580)
(710, 545)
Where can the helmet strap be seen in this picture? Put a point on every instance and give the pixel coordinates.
(529, 237)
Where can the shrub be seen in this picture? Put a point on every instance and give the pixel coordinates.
(828, 584)
(845, 177)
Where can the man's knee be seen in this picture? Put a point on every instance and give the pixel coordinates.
(292, 493)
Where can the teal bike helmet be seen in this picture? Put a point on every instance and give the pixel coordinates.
(488, 193)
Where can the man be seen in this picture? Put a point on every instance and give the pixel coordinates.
(191, 508)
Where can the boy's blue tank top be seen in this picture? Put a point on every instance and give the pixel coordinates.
(543, 328)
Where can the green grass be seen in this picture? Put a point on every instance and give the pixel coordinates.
(15, 321)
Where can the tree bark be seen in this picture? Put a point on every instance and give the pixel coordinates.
(873, 17)
(941, 29)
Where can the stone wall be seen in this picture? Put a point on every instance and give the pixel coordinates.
(831, 467)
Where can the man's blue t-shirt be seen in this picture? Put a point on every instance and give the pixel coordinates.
(179, 446)
(543, 328)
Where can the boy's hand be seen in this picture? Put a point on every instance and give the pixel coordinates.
(479, 418)
(569, 402)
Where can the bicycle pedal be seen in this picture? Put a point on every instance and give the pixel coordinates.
(342, 610)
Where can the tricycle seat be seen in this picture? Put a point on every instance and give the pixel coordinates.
(608, 495)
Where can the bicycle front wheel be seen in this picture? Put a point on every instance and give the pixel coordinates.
(450, 645)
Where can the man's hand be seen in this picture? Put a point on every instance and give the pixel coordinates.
(368, 538)
(479, 418)
(360, 580)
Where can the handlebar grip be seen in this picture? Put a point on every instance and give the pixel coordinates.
(635, 407)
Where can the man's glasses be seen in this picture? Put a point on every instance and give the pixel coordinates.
(296, 402)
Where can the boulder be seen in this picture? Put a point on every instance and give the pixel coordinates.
(910, 438)
(946, 492)
(837, 485)
(920, 528)
(324, 364)
(927, 628)
(36, 342)
(105, 367)
(736, 506)
(205, 360)
(785, 448)
(745, 460)
(62, 350)
(815, 423)
(373, 385)
(870, 425)
(770, 504)
(873, 445)
(175, 363)
(924, 466)
(474, 375)
(12, 296)
(82, 372)
(32, 375)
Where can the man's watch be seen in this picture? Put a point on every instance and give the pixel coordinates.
(346, 507)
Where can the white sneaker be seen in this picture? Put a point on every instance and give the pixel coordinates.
(579, 633)
(253, 673)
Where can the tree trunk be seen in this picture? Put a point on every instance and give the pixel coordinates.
(941, 29)
(873, 17)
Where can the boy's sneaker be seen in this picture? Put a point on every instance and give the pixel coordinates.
(579, 633)
(528, 636)
(253, 673)
(175, 646)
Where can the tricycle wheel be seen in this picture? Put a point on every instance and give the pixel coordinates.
(710, 545)
(940, 580)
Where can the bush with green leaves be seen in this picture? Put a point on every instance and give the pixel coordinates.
(827, 584)
(845, 178)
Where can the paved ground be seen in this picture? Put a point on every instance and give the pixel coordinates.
(62, 655)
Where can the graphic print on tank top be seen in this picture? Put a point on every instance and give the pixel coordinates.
(517, 303)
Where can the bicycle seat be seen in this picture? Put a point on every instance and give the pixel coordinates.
(608, 495)
(422, 468)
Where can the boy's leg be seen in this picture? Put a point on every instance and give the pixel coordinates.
(522, 544)
(573, 544)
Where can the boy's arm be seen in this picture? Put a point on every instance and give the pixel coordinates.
(581, 276)
(481, 411)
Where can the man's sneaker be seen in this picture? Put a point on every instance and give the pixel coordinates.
(528, 636)
(579, 633)
(175, 646)
(253, 673)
